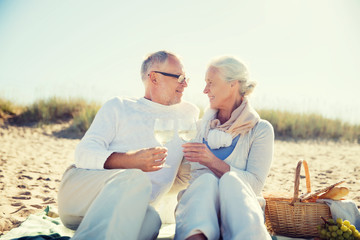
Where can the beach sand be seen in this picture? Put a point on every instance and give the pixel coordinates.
(32, 161)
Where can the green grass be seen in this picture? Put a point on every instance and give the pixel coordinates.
(53, 110)
(8, 109)
(83, 119)
(50, 111)
(81, 113)
(310, 126)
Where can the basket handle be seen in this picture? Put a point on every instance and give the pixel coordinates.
(297, 180)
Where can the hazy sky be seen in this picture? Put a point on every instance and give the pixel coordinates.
(305, 54)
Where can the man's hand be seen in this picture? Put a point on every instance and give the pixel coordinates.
(150, 159)
(147, 159)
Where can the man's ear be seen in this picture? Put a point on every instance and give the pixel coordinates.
(152, 77)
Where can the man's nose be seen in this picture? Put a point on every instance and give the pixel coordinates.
(184, 83)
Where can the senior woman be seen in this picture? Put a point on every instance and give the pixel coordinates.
(230, 162)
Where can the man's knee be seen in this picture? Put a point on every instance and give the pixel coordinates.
(132, 177)
(71, 222)
(151, 225)
(119, 184)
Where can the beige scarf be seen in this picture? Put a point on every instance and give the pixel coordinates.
(241, 121)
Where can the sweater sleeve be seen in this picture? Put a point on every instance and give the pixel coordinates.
(92, 151)
(182, 178)
(259, 158)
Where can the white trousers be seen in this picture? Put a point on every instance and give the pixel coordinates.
(108, 204)
(226, 206)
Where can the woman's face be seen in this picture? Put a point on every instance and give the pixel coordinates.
(221, 93)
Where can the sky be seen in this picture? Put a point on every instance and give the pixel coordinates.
(304, 54)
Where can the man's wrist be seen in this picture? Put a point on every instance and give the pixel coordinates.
(116, 160)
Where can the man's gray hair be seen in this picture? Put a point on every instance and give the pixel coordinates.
(159, 57)
(232, 69)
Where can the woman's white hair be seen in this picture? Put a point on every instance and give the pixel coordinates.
(232, 69)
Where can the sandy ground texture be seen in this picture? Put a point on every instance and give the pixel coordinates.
(32, 161)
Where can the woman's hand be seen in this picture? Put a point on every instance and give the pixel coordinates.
(199, 152)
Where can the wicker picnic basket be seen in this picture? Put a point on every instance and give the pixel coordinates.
(291, 217)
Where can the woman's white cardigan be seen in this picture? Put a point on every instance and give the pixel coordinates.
(251, 157)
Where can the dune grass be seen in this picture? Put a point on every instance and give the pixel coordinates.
(7, 108)
(310, 126)
(49, 111)
(53, 110)
(287, 125)
(84, 118)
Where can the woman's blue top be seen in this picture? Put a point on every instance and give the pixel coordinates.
(223, 152)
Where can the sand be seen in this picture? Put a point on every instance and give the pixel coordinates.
(32, 161)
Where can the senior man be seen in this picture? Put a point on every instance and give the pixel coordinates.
(118, 176)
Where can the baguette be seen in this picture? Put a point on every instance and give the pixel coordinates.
(336, 193)
(315, 195)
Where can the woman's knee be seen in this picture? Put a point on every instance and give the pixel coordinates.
(230, 183)
(207, 179)
(233, 184)
(205, 186)
(230, 178)
(204, 183)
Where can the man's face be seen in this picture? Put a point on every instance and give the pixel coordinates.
(169, 91)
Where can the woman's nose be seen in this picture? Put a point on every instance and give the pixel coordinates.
(206, 90)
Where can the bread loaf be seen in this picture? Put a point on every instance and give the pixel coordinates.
(336, 193)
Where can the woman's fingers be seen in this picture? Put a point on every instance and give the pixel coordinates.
(194, 147)
(190, 159)
(197, 152)
(194, 156)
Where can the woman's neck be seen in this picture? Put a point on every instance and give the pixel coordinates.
(224, 114)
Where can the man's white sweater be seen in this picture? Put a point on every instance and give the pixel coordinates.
(126, 124)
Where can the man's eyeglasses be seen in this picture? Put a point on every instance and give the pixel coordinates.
(180, 78)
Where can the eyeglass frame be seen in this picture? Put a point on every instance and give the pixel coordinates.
(180, 78)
